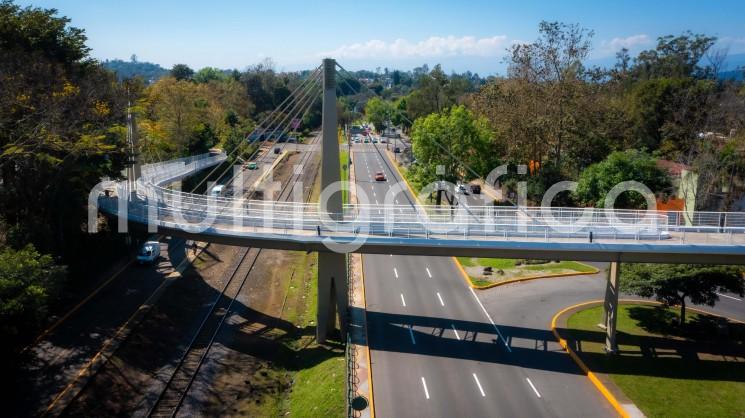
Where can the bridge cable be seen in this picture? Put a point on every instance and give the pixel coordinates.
(269, 118)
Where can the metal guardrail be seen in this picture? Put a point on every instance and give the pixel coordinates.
(352, 381)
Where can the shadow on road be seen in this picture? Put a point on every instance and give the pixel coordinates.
(479, 341)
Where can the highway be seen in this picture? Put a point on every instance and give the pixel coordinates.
(435, 350)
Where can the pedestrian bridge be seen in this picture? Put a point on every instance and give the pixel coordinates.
(480, 231)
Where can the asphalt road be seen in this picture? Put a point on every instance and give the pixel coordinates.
(437, 352)
(57, 359)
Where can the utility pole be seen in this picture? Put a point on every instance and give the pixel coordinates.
(332, 267)
(134, 170)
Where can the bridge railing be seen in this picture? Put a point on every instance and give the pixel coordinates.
(159, 173)
(174, 208)
(275, 219)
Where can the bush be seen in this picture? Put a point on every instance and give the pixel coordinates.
(29, 282)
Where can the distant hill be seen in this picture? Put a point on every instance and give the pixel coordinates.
(734, 67)
(737, 75)
(128, 69)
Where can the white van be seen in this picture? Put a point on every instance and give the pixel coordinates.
(149, 252)
(217, 190)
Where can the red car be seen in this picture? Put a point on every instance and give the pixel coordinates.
(379, 176)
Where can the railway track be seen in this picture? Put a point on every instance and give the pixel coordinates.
(172, 396)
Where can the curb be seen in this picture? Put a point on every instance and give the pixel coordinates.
(353, 197)
(367, 340)
(467, 278)
(592, 376)
(401, 174)
(271, 168)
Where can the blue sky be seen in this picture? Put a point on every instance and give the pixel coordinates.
(462, 35)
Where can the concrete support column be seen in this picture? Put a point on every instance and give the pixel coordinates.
(332, 294)
(330, 172)
(332, 267)
(610, 307)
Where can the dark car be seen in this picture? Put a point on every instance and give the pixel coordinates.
(276, 150)
(379, 176)
(476, 189)
(397, 150)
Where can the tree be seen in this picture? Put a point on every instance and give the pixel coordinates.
(454, 138)
(598, 179)
(60, 129)
(378, 111)
(207, 74)
(182, 72)
(671, 284)
(552, 67)
(675, 57)
(29, 282)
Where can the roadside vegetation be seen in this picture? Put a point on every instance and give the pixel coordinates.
(664, 369)
(565, 120)
(63, 128)
(486, 271)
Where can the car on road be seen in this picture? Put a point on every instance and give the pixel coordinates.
(397, 150)
(149, 252)
(476, 189)
(379, 176)
(374, 141)
(217, 190)
(277, 150)
(367, 141)
(252, 166)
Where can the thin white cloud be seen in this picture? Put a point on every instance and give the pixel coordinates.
(629, 42)
(434, 46)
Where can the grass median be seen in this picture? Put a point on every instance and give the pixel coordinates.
(697, 370)
(488, 271)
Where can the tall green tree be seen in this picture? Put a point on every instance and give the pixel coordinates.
(598, 179)
(454, 138)
(60, 129)
(182, 72)
(29, 283)
(672, 284)
(378, 112)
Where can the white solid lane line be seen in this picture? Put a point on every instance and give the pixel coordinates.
(532, 386)
(440, 297)
(479, 385)
(395, 272)
(411, 333)
(403, 301)
(426, 392)
(455, 331)
(729, 297)
(428, 273)
(490, 320)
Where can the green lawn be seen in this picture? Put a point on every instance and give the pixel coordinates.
(511, 269)
(318, 391)
(694, 373)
